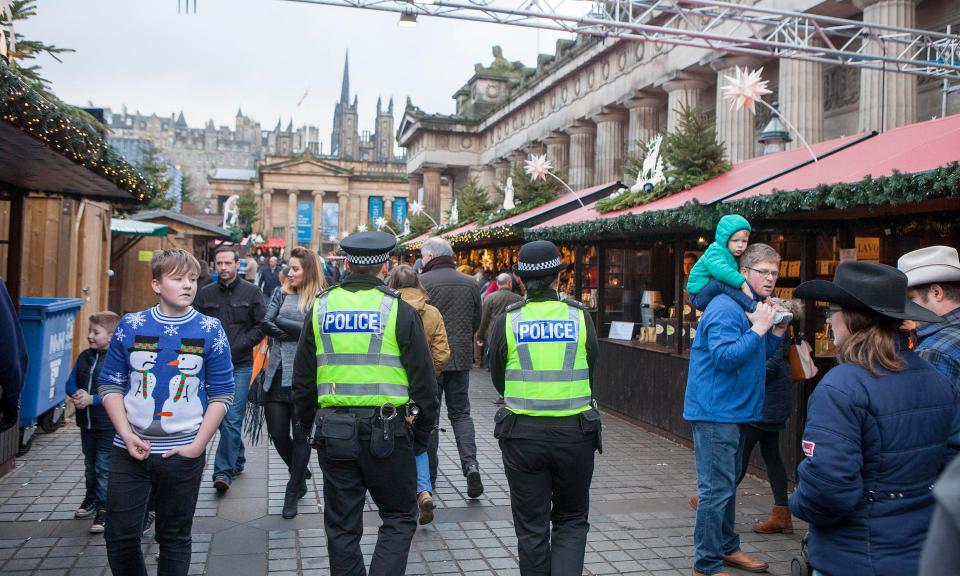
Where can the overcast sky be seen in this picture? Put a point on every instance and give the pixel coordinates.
(262, 55)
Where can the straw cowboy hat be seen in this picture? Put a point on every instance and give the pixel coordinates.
(867, 287)
(930, 265)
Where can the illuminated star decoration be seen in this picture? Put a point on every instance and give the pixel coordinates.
(361, 227)
(746, 89)
(416, 207)
(538, 168)
(381, 223)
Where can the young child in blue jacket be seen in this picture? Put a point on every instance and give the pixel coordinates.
(96, 430)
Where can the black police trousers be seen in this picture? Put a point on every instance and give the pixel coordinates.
(550, 484)
(392, 482)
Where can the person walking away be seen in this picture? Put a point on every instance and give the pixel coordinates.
(933, 281)
(493, 306)
(881, 426)
(717, 272)
(284, 322)
(456, 296)
(166, 384)
(361, 359)
(406, 281)
(725, 385)
(543, 352)
(239, 307)
(96, 430)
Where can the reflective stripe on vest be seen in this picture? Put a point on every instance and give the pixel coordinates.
(546, 372)
(358, 358)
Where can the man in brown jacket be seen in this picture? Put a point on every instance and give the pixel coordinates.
(493, 307)
(458, 299)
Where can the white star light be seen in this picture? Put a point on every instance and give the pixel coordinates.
(416, 207)
(361, 227)
(380, 222)
(537, 167)
(745, 89)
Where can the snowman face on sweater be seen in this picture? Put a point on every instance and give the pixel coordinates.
(189, 364)
(143, 360)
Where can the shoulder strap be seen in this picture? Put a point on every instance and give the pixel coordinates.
(388, 290)
(572, 302)
(516, 305)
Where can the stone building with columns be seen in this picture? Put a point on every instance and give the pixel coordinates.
(589, 104)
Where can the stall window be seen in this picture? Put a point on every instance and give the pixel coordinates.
(627, 278)
(590, 277)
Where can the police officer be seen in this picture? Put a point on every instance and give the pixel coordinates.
(361, 359)
(542, 354)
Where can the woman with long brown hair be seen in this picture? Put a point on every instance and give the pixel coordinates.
(880, 428)
(283, 322)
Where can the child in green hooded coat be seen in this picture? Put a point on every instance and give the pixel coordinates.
(717, 271)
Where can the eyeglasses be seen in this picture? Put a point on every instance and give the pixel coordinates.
(765, 273)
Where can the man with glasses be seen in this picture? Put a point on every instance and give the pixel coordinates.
(725, 389)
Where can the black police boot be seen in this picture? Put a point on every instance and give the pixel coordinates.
(290, 498)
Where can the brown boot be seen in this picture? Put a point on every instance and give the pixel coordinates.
(425, 502)
(694, 502)
(739, 559)
(780, 520)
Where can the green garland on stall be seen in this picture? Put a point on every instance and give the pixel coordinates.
(893, 190)
(53, 123)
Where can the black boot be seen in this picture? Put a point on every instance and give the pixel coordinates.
(290, 500)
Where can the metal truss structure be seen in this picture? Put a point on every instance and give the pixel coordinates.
(714, 25)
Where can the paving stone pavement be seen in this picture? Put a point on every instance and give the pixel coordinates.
(640, 520)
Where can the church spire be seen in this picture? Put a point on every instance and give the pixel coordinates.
(345, 87)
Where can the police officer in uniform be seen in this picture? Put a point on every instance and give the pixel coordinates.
(362, 358)
(542, 354)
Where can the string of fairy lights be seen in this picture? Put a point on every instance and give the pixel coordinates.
(51, 123)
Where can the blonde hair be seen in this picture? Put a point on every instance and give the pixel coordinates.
(872, 342)
(313, 279)
(172, 262)
(106, 319)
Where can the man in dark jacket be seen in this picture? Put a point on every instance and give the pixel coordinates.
(239, 306)
(269, 278)
(13, 361)
(456, 296)
(493, 307)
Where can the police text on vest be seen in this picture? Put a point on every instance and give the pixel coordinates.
(353, 321)
(540, 331)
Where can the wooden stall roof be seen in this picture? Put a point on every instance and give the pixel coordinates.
(563, 205)
(744, 176)
(909, 149)
(184, 224)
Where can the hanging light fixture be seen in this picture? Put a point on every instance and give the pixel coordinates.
(408, 19)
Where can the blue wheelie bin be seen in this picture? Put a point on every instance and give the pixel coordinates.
(48, 325)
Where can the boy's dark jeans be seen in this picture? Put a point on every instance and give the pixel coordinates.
(715, 288)
(175, 482)
(97, 446)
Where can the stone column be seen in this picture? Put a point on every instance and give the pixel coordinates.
(801, 99)
(343, 200)
(608, 162)
(887, 99)
(431, 192)
(388, 207)
(684, 91)
(644, 121)
(582, 135)
(267, 213)
(502, 170)
(558, 151)
(315, 234)
(291, 219)
(536, 149)
(734, 127)
(488, 179)
(415, 182)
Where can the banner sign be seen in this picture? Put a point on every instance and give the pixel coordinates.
(304, 221)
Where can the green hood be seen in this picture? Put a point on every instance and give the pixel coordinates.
(728, 226)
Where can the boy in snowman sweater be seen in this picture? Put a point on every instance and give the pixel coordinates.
(166, 383)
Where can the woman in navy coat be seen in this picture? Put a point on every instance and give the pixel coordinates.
(881, 427)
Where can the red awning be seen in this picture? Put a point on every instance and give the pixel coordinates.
(743, 176)
(460, 230)
(909, 149)
(567, 200)
(418, 240)
(273, 243)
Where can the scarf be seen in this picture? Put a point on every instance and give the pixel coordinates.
(439, 262)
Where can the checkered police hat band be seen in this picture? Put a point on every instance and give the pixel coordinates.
(526, 267)
(368, 259)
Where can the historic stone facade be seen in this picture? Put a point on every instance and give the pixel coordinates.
(590, 103)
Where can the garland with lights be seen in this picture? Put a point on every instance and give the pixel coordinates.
(52, 123)
(893, 190)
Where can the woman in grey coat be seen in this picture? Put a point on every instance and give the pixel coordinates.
(283, 322)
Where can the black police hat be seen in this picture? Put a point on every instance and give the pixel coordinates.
(539, 258)
(368, 248)
(867, 287)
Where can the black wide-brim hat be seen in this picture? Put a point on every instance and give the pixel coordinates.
(538, 259)
(867, 287)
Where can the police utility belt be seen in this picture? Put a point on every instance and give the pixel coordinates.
(508, 425)
(339, 431)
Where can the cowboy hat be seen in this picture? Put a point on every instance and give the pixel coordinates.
(930, 265)
(867, 287)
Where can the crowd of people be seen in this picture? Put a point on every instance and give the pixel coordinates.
(356, 364)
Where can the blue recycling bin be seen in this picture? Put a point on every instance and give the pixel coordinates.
(48, 331)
